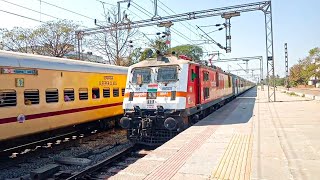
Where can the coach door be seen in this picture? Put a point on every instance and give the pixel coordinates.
(197, 85)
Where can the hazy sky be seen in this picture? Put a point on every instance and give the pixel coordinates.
(294, 21)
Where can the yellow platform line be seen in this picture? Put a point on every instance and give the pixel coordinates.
(236, 160)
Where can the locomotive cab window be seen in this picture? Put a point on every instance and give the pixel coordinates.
(8, 98)
(115, 92)
(52, 95)
(95, 93)
(166, 74)
(68, 95)
(31, 97)
(83, 93)
(141, 75)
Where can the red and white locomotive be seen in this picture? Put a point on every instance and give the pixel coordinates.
(165, 95)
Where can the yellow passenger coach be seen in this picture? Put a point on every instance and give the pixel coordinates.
(40, 94)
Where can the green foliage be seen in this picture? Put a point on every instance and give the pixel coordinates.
(147, 53)
(306, 68)
(192, 51)
(159, 44)
(277, 80)
(54, 38)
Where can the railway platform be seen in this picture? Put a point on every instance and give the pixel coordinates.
(248, 138)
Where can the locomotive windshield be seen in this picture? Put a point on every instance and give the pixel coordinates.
(141, 73)
(166, 74)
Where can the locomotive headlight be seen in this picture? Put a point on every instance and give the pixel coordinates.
(170, 123)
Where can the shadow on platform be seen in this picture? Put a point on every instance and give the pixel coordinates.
(240, 110)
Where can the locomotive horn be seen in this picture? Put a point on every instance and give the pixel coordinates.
(125, 122)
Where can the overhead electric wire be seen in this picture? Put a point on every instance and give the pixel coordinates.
(137, 16)
(175, 13)
(29, 9)
(180, 22)
(172, 29)
(21, 16)
(42, 1)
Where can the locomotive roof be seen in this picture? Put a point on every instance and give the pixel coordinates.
(15, 59)
(165, 61)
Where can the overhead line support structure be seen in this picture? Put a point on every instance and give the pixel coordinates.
(246, 60)
(264, 6)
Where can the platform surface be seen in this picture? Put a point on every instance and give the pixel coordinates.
(248, 138)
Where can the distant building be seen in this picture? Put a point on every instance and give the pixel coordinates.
(86, 57)
(315, 80)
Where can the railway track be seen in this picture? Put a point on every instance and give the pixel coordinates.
(93, 171)
(88, 147)
(112, 164)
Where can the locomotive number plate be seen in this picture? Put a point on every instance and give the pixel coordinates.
(151, 104)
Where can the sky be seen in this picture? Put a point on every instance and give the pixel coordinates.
(294, 22)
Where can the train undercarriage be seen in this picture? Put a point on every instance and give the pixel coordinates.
(155, 127)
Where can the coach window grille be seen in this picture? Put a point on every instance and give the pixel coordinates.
(68, 95)
(83, 93)
(8, 98)
(52, 95)
(31, 96)
(95, 93)
(115, 92)
(106, 92)
(122, 91)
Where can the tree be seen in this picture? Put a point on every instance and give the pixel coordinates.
(147, 53)
(192, 51)
(115, 44)
(295, 77)
(55, 38)
(135, 55)
(306, 68)
(159, 44)
(18, 39)
(50, 39)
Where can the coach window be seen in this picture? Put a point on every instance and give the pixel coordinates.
(52, 95)
(106, 92)
(205, 76)
(115, 92)
(95, 93)
(68, 95)
(8, 98)
(83, 93)
(31, 97)
(122, 91)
